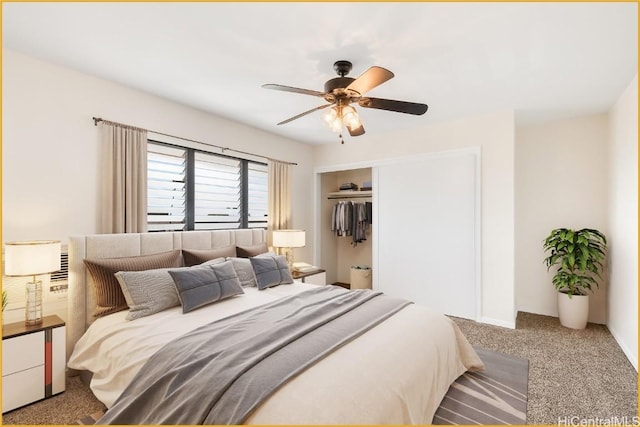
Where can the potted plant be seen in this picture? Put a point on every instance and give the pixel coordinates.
(579, 255)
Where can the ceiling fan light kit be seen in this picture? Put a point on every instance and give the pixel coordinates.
(342, 91)
(339, 116)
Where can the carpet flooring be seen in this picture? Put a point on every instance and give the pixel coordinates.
(573, 376)
(497, 395)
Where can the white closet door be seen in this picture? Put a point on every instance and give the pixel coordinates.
(425, 230)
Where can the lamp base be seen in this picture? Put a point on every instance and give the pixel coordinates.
(33, 308)
(289, 256)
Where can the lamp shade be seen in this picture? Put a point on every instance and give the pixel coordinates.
(31, 258)
(288, 238)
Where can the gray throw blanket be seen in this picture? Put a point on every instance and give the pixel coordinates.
(220, 372)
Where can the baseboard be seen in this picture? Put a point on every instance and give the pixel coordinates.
(498, 322)
(627, 352)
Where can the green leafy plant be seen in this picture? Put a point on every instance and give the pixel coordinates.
(579, 254)
(4, 299)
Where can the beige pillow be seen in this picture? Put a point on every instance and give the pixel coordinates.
(109, 296)
(249, 251)
(198, 256)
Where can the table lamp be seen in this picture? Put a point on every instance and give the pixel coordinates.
(32, 258)
(288, 239)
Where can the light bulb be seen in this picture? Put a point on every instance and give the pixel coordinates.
(336, 125)
(330, 116)
(332, 119)
(350, 117)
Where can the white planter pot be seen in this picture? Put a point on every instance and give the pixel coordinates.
(574, 311)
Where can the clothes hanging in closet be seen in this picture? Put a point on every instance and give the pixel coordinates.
(351, 219)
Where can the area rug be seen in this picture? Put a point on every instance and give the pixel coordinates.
(497, 395)
(89, 419)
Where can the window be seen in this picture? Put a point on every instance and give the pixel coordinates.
(189, 189)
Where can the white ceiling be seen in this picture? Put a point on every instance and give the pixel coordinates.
(543, 60)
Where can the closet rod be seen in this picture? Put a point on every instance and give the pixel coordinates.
(97, 120)
(349, 197)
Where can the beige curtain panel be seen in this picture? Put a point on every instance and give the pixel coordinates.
(124, 179)
(279, 198)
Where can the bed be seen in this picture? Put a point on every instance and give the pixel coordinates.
(396, 372)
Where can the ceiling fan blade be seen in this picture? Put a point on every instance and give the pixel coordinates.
(371, 78)
(357, 131)
(391, 105)
(293, 89)
(304, 114)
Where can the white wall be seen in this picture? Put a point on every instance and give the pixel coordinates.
(50, 147)
(494, 133)
(623, 222)
(561, 181)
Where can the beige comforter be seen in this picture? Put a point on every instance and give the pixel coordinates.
(396, 373)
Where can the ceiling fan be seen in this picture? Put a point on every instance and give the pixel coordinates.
(342, 91)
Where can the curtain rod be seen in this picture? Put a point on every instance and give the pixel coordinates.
(97, 120)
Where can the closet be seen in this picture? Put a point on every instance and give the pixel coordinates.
(424, 243)
(340, 252)
(428, 233)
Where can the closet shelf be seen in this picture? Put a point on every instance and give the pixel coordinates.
(349, 194)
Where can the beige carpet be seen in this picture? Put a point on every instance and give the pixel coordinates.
(574, 375)
(580, 374)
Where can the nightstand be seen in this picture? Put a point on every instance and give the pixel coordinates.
(33, 362)
(317, 276)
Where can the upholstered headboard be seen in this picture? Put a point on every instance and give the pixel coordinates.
(81, 297)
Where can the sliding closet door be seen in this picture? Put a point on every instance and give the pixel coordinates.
(426, 235)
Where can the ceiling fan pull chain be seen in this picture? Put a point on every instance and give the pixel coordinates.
(341, 138)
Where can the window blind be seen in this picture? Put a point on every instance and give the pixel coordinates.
(217, 192)
(166, 191)
(258, 190)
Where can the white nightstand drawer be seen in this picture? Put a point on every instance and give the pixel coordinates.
(18, 389)
(22, 352)
(316, 279)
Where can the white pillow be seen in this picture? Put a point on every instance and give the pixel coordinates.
(148, 292)
(244, 270)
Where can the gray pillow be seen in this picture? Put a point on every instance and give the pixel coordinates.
(151, 291)
(198, 256)
(214, 261)
(267, 254)
(148, 292)
(202, 285)
(244, 270)
(271, 271)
